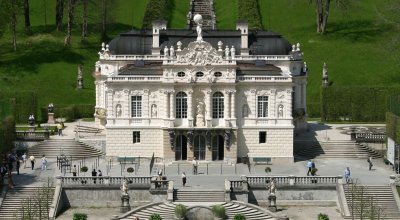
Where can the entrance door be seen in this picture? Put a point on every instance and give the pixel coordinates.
(200, 147)
(218, 147)
(181, 148)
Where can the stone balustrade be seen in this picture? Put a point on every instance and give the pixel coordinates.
(144, 181)
(262, 181)
(32, 135)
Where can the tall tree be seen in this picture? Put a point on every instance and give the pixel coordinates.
(322, 8)
(104, 13)
(59, 14)
(27, 17)
(9, 11)
(84, 19)
(71, 9)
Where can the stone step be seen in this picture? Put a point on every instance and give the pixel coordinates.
(69, 147)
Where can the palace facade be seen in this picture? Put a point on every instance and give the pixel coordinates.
(210, 94)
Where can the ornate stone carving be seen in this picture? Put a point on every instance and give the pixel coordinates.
(227, 137)
(190, 138)
(154, 111)
(171, 134)
(208, 138)
(199, 53)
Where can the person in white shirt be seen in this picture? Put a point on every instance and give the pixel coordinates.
(195, 165)
(24, 159)
(44, 163)
(183, 178)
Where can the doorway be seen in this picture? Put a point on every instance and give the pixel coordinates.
(218, 147)
(200, 147)
(181, 148)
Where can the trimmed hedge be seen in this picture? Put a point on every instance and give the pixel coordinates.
(156, 10)
(249, 10)
(7, 135)
(356, 103)
(21, 104)
(393, 126)
(70, 112)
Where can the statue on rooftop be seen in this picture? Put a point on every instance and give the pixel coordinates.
(198, 19)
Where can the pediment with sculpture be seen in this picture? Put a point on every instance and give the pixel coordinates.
(199, 53)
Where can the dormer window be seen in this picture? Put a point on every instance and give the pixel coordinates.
(181, 74)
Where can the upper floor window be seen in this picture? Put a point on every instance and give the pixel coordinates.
(199, 74)
(181, 74)
(218, 105)
(217, 74)
(136, 110)
(181, 105)
(262, 106)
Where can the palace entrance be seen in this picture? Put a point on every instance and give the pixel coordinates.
(199, 147)
(218, 147)
(181, 148)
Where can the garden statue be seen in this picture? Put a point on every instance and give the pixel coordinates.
(125, 206)
(79, 83)
(31, 120)
(50, 108)
(124, 187)
(272, 186)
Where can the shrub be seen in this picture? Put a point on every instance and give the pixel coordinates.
(322, 216)
(180, 211)
(156, 10)
(268, 170)
(79, 216)
(386, 161)
(84, 169)
(239, 217)
(219, 211)
(130, 170)
(155, 217)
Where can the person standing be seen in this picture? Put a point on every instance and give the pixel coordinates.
(100, 174)
(370, 163)
(24, 159)
(160, 174)
(44, 163)
(59, 128)
(347, 174)
(309, 166)
(195, 166)
(94, 174)
(3, 171)
(312, 164)
(32, 159)
(17, 165)
(74, 172)
(183, 178)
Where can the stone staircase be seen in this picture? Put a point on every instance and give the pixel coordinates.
(197, 195)
(206, 9)
(69, 147)
(381, 197)
(29, 200)
(167, 211)
(337, 149)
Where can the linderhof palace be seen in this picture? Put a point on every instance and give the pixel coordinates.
(216, 95)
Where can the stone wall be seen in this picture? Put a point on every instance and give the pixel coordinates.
(96, 143)
(278, 146)
(109, 196)
(120, 142)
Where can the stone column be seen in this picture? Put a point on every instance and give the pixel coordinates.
(166, 104)
(226, 108)
(233, 103)
(208, 107)
(110, 97)
(172, 105)
(190, 108)
(253, 108)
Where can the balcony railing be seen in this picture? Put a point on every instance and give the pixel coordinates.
(32, 135)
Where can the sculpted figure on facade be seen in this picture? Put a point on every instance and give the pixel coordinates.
(233, 52)
(280, 111)
(166, 53)
(118, 111)
(154, 111)
(199, 53)
(227, 52)
(172, 52)
(198, 19)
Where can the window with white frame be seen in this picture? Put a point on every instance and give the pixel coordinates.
(136, 137)
(218, 105)
(181, 105)
(262, 106)
(136, 106)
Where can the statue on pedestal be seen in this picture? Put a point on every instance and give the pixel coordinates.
(198, 19)
(50, 108)
(125, 206)
(79, 83)
(271, 195)
(200, 114)
(31, 120)
(50, 114)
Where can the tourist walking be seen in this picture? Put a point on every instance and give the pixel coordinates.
(370, 163)
(309, 166)
(100, 174)
(183, 178)
(347, 174)
(3, 170)
(24, 159)
(44, 163)
(59, 128)
(312, 164)
(32, 159)
(17, 165)
(195, 165)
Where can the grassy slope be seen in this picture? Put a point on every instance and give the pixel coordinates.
(351, 48)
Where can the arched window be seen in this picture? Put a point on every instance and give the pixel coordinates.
(218, 105)
(181, 105)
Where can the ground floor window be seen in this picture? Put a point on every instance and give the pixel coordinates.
(181, 148)
(262, 138)
(199, 147)
(217, 147)
(136, 137)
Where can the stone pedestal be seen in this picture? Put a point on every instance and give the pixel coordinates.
(200, 121)
(50, 119)
(125, 206)
(272, 203)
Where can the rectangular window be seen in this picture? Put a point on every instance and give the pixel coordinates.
(262, 137)
(136, 137)
(262, 106)
(136, 106)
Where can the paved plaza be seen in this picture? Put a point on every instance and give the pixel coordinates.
(215, 174)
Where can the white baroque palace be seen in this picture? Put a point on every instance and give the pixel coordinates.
(213, 95)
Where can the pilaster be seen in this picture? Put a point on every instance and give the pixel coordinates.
(208, 107)
(110, 98)
(125, 110)
(190, 107)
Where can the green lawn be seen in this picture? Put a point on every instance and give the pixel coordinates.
(352, 46)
